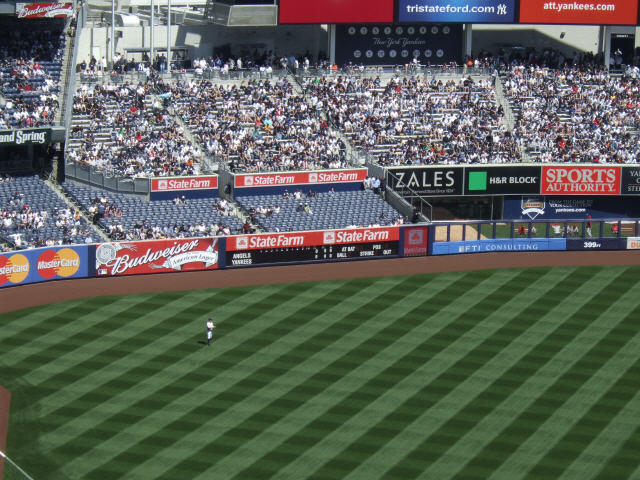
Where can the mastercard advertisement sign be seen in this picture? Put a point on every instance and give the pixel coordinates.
(43, 264)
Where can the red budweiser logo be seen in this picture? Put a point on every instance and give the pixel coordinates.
(44, 10)
(159, 256)
(580, 180)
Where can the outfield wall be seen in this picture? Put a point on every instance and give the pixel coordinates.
(118, 259)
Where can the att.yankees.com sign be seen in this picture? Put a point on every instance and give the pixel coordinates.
(156, 256)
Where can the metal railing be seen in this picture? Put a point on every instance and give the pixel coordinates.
(87, 174)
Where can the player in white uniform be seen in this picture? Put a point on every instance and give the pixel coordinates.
(210, 328)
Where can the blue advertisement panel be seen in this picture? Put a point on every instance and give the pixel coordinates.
(43, 264)
(499, 245)
(457, 11)
(596, 243)
(546, 208)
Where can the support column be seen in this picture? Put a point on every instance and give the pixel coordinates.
(607, 46)
(169, 36)
(332, 44)
(153, 21)
(112, 40)
(467, 45)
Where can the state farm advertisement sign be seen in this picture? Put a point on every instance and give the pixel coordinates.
(580, 180)
(312, 239)
(156, 256)
(175, 184)
(585, 12)
(299, 178)
(44, 10)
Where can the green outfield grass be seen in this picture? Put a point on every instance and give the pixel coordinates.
(506, 374)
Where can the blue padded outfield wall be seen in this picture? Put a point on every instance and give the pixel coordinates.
(499, 245)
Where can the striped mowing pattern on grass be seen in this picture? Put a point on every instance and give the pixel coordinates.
(511, 374)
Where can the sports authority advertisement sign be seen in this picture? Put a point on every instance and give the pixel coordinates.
(398, 44)
(286, 179)
(25, 136)
(503, 180)
(336, 11)
(44, 10)
(176, 184)
(461, 11)
(427, 181)
(630, 181)
(583, 12)
(580, 180)
(43, 264)
(156, 256)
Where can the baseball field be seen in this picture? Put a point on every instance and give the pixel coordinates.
(501, 374)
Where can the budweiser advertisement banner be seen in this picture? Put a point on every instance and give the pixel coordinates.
(175, 184)
(580, 180)
(299, 178)
(314, 238)
(44, 10)
(156, 256)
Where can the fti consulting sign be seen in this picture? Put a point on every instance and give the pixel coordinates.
(503, 181)
(457, 11)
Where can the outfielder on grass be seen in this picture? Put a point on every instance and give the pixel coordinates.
(210, 328)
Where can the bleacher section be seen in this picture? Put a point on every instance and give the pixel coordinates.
(325, 211)
(32, 215)
(124, 130)
(258, 125)
(575, 115)
(30, 71)
(127, 217)
(416, 120)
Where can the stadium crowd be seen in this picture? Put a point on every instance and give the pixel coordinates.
(578, 113)
(415, 120)
(30, 69)
(121, 129)
(258, 125)
(32, 216)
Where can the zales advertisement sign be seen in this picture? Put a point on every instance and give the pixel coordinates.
(580, 180)
(156, 256)
(426, 180)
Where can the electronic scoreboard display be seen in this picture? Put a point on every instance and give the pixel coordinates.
(320, 253)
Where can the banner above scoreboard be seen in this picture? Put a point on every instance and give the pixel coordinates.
(581, 12)
(569, 12)
(457, 11)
